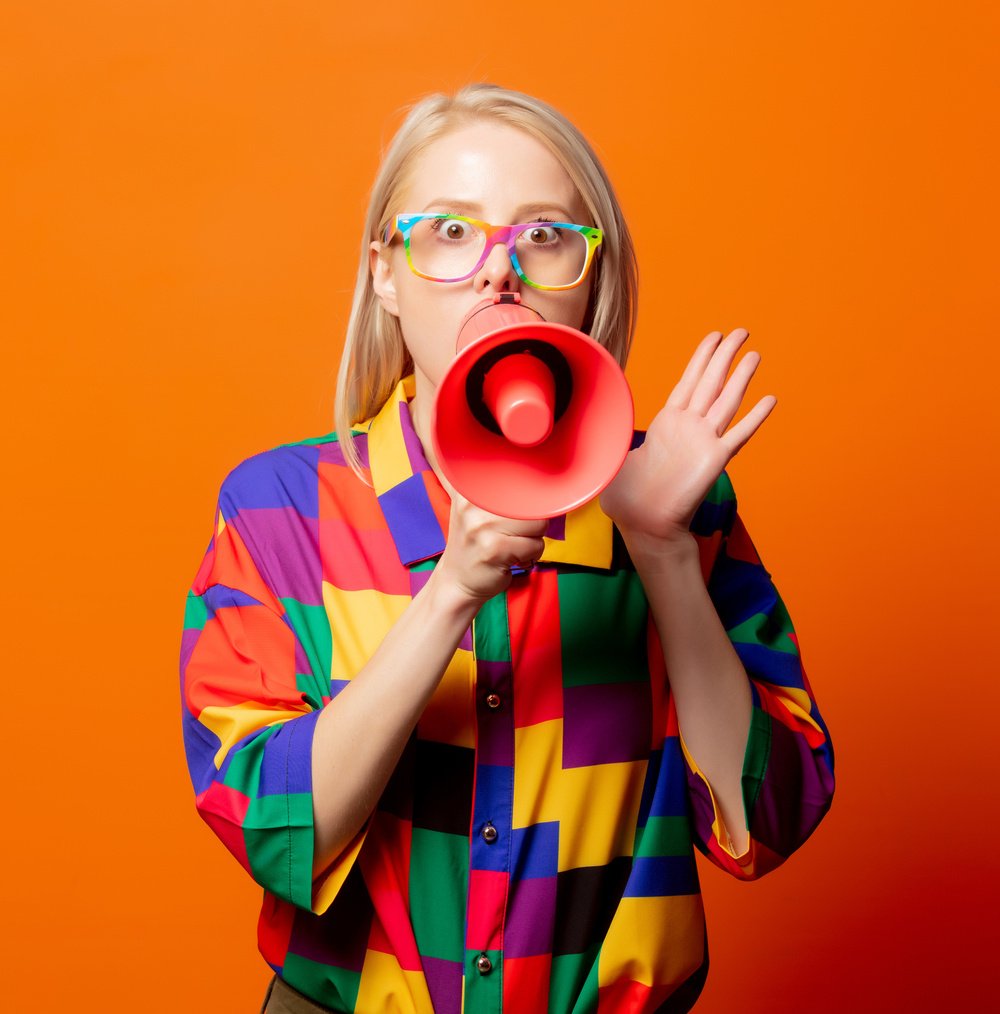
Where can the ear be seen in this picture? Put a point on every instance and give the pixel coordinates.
(383, 279)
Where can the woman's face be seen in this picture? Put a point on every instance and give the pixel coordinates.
(500, 175)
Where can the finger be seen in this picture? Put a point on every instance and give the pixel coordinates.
(681, 393)
(525, 553)
(735, 438)
(532, 551)
(506, 526)
(712, 380)
(731, 397)
(524, 529)
(522, 567)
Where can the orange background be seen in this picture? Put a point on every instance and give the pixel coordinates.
(183, 187)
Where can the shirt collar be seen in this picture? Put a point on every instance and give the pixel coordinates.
(416, 506)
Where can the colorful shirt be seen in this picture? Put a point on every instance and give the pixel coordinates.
(533, 850)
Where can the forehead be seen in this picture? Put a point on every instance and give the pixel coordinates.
(493, 166)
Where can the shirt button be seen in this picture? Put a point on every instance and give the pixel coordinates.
(489, 833)
(493, 701)
(483, 964)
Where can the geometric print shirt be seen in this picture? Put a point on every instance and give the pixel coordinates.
(533, 850)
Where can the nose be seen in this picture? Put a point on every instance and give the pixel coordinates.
(497, 273)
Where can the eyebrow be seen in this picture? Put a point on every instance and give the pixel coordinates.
(473, 210)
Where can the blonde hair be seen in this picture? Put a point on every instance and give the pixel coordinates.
(375, 357)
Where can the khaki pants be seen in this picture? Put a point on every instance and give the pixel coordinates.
(282, 999)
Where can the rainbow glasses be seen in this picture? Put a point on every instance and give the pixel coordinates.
(452, 248)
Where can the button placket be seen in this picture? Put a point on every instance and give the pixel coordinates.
(490, 840)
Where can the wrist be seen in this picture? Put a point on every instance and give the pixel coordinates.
(450, 599)
(646, 546)
(676, 557)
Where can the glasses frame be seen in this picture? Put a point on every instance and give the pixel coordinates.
(506, 234)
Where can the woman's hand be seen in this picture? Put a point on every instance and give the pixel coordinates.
(483, 547)
(661, 484)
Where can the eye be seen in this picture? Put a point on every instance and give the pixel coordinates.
(542, 234)
(452, 229)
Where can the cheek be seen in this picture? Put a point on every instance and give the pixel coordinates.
(582, 307)
(569, 308)
(429, 335)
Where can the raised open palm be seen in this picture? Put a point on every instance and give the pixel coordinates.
(688, 444)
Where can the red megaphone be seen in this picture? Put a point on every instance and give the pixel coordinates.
(532, 418)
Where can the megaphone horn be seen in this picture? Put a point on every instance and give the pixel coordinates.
(532, 418)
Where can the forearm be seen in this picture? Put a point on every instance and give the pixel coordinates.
(361, 733)
(710, 687)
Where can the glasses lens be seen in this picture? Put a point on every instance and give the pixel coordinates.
(550, 255)
(448, 249)
(445, 248)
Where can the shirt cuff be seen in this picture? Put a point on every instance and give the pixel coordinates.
(709, 823)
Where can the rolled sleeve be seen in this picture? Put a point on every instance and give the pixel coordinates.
(787, 776)
(249, 713)
(248, 737)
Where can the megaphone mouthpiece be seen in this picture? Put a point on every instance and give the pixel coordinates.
(488, 315)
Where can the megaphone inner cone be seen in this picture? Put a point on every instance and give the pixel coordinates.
(519, 390)
(520, 393)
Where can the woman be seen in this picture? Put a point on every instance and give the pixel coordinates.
(457, 781)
